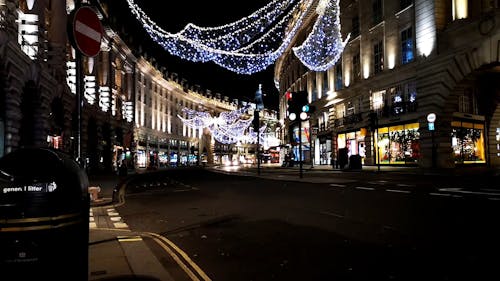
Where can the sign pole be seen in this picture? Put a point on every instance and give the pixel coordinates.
(79, 89)
(300, 149)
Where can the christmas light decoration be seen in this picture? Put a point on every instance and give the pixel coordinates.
(323, 46)
(253, 43)
(246, 46)
(229, 127)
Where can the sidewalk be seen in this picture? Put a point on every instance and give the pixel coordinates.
(117, 253)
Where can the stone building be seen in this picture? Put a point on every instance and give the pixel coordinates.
(406, 61)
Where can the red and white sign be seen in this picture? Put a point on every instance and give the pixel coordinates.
(86, 31)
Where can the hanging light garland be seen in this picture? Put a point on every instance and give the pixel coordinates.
(323, 46)
(246, 46)
(251, 44)
(229, 127)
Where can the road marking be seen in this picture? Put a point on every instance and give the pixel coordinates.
(406, 185)
(120, 225)
(494, 199)
(159, 238)
(92, 225)
(398, 190)
(113, 214)
(134, 238)
(115, 218)
(332, 214)
(365, 188)
(445, 195)
(337, 185)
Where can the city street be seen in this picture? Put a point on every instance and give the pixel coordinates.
(352, 226)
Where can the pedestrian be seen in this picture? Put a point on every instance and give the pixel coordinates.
(122, 170)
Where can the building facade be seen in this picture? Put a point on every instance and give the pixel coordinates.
(129, 105)
(406, 62)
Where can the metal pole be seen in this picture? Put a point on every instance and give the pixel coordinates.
(258, 147)
(433, 150)
(300, 148)
(79, 89)
(377, 153)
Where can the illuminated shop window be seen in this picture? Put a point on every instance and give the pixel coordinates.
(498, 142)
(467, 141)
(354, 142)
(398, 144)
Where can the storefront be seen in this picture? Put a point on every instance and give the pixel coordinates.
(305, 139)
(398, 144)
(354, 142)
(467, 141)
(323, 150)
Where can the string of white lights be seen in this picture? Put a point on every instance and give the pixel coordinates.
(229, 127)
(243, 53)
(323, 46)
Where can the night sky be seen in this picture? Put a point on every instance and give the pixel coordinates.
(203, 13)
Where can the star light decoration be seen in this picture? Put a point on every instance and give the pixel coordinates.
(229, 127)
(251, 44)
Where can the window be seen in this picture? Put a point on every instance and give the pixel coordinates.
(377, 11)
(325, 83)
(356, 67)
(467, 141)
(378, 100)
(378, 56)
(406, 45)
(459, 9)
(355, 27)
(338, 76)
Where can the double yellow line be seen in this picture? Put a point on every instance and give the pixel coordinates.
(181, 258)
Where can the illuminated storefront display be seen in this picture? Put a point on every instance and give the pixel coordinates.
(398, 144)
(354, 142)
(305, 138)
(467, 141)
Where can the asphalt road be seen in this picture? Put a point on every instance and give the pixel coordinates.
(360, 227)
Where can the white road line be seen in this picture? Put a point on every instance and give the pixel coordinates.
(494, 199)
(120, 225)
(92, 225)
(113, 214)
(479, 193)
(445, 195)
(337, 185)
(365, 188)
(406, 185)
(398, 191)
(115, 218)
(331, 214)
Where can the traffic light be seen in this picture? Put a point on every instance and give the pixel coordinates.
(296, 102)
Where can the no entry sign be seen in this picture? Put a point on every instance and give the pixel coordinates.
(85, 31)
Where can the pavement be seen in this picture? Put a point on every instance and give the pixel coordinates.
(117, 253)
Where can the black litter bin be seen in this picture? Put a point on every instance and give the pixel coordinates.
(355, 162)
(44, 216)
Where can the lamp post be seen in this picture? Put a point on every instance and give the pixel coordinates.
(259, 105)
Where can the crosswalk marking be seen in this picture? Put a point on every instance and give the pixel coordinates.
(105, 218)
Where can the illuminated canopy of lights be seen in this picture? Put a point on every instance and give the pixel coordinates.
(251, 44)
(323, 46)
(229, 127)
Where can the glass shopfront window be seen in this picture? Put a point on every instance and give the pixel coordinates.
(467, 141)
(354, 142)
(398, 144)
